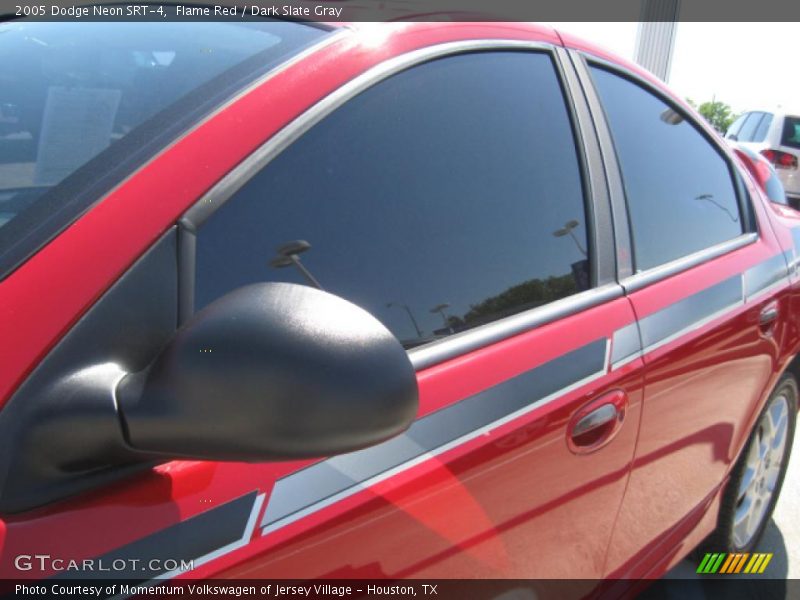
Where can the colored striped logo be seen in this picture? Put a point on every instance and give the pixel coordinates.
(727, 564)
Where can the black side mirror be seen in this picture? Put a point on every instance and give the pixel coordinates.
(271, 371)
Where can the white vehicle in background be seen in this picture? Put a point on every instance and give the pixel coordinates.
(776, 136)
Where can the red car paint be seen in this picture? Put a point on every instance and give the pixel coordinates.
(455, 514)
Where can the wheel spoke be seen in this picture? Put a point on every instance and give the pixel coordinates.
(748, 479)
(752, 457)
(763, 446)
(762, 469)
(771, 476)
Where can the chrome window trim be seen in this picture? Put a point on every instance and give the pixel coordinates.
(641, 279)
(491, 333)
(334, 35)
(645, 278)
(720, 146)
(461, 343)
(197, 214)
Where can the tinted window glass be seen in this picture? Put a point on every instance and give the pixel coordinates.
(733, 130)
(760, 133)
(82, 101)
(679, 189)
(749, 127)
(440, 199)
(791, 132)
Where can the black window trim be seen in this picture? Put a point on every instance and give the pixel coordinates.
(738, 122)
(598, 213)
(638, 280)
(765, 116)
(752, 114)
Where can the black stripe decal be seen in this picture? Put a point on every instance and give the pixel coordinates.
(690, 312)
(764, 275)
(310, 489)
(199, 538)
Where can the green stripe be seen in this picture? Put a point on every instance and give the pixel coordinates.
(718, 563)
(701, 567)
(711, 562)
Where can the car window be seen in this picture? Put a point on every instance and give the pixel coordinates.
(733, 130)
(679, 190)
(791, 132)
(81, 103)
(748, 130)
(444, 197)
(760, 134)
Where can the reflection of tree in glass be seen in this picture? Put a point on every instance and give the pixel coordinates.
(524, 296)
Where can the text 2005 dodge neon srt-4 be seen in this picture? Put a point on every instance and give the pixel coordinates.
(412, 300)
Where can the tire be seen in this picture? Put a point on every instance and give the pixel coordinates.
(756, 480)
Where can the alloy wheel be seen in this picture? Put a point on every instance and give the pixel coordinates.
(763, 467)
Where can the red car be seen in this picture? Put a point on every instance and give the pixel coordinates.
(412, 300)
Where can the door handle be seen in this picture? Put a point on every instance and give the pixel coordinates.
(767, 319)
(768, 314)
(595, 424)
(597, 418)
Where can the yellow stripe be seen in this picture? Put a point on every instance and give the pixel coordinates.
(727, 562)
(752, 562)
(742, 558)
(757, 564)
(765, 563)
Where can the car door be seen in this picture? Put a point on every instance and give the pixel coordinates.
(456, 193)
(708, 285)
(456, 215)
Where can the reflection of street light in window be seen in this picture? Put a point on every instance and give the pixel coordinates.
(710, 198)
(671, 117)
(439, 308)
(567, 230)
(287, 256)
(410, 315)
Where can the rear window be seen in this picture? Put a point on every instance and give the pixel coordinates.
(748, 130)
(84, 104)
(791, 132)
(763, 127)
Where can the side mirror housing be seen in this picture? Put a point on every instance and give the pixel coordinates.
(271, 371)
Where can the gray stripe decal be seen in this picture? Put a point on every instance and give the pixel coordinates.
(796, 254)
(626, 345)
(306, 491)
(691, 312)
(761, 277)
(796, 238)
(200, 538)
(789, 257)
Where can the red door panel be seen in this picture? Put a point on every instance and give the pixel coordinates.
(708, 365)
(483, 485)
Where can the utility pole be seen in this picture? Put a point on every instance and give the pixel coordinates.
(655, 37)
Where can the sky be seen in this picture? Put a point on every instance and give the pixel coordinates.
(740, 64)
